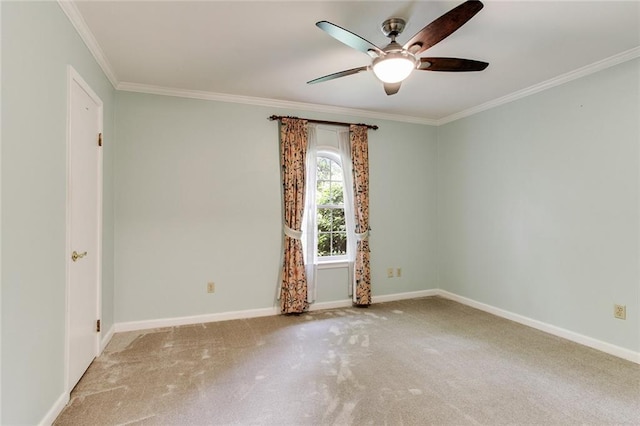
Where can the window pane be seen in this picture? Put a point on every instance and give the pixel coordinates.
(336, 172)
(324, 169)
(332, 236)
(325, 220)
(338, 221)
(324, 244)
(323, 192)
(336, 195)
(339, 243)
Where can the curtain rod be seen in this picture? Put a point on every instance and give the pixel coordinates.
(369, 126)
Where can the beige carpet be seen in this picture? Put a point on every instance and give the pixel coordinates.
(413, 362)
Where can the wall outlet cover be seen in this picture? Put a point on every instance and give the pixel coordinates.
(620, 311)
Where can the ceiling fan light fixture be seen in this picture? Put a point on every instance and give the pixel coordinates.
(394, 63)
(394, 67)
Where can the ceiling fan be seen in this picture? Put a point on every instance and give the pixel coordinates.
(394, 63)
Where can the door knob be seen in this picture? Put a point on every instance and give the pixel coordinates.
(75, 255)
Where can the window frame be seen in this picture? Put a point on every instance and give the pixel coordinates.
(333, 154)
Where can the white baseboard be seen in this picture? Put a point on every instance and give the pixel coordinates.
(609, 348)
(64, 398)
(614, 350)
(404, 296)
(254, 313)
(320, 306)
(55, 410)
(107, 338)
(346, 303)
(196, 319)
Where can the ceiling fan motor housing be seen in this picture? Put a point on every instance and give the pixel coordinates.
(392, 27)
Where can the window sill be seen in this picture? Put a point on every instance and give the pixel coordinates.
(333, 264)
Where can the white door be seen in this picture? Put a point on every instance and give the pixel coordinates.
(84, 223)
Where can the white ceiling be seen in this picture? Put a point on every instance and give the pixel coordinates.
(270, 49)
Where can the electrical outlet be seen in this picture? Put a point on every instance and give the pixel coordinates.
(620, 311)
(389, 272)
(211, 287)
(398, 272)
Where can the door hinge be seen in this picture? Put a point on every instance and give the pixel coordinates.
(99, 139)
(98, 326)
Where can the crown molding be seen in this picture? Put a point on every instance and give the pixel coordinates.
(556, 81)
(272, 103)
(74, 15)
(71, 10)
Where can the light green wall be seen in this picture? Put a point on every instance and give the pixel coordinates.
(403, 207)
(38, 42)
(198, 199)
(538, 206)
(536, 203)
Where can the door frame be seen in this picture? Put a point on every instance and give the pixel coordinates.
(73, 77)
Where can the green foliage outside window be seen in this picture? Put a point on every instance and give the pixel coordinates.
(332, 230)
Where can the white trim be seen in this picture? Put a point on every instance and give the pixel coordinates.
(74, 76)
(106, 339)
(254, 313)
(78, 22)
(67, 248)
(623, 353)
(617, 351)
(609, 348)
(321, 306)
(556, 81)
(74, 15)
(195, 319)
(336, 264)
(403, 296)
(274, 103)
(55, 410)
(222, 97)
(346, 303)
(0, 219)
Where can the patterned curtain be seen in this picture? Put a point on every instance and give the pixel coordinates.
(360, 161)
(293, 148)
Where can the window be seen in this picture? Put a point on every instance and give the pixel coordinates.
(330, 214)
(328, 224)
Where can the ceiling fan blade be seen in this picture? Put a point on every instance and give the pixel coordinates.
(451, 64)
(444, 26)
(338, 75)
(348, 38)
(391, 88)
